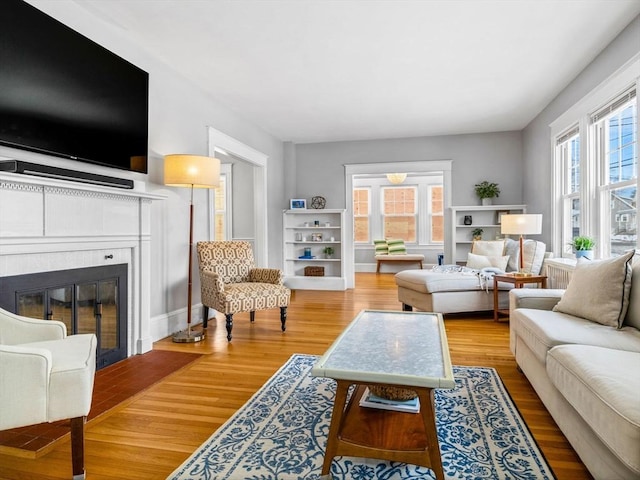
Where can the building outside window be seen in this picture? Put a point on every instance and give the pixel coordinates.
(399, 212)
(221, 210)
(361, 213)
(568, 154)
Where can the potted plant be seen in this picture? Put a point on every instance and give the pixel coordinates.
(328, 251)
(477, 233)
(486, 191)
(583, 246)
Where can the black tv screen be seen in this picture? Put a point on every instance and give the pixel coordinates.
(63, 94)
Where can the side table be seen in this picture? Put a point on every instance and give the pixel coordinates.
(518, 281)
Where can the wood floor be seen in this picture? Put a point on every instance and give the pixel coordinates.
(151, 435)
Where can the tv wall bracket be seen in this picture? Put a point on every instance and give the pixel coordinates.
(26, 168)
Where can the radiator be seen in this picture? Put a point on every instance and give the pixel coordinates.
(558, 271)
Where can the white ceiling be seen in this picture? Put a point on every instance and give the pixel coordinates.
(327, 70)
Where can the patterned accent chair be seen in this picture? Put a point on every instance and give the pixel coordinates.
(231, 283)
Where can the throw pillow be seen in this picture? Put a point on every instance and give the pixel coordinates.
(490, 248)
(381, 247)
(396, 246)
(632, 319)
(599, 290)
(533, 256)
(483, 261)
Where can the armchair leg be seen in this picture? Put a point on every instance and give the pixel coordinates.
(229, 317)
(77, 447)
(283, 317)
(252, 316)
(205, 316)
(407, 308)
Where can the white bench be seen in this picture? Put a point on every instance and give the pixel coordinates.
(411, 258)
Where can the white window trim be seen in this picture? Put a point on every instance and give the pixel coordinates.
(580, 113)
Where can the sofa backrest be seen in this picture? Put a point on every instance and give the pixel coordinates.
(633, 313)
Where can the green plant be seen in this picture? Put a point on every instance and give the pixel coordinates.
(477, 232)
(583, 243)
(328, 250)
(486, 189)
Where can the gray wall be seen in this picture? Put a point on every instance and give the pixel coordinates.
(536, 140)
(179, 114)
(496, 157)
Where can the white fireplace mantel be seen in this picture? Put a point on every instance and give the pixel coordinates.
(48, 225)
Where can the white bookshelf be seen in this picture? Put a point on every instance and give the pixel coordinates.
(458, 243)
(300, 233)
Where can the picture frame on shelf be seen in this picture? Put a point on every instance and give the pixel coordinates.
(316, 237)
(298, 204)
(499, 215)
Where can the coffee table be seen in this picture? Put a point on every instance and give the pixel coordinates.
(388, 348)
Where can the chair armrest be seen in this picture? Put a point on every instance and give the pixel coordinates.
(536, 298)
(16, 329)
(266, 275)
(212, 281)
(23, 402)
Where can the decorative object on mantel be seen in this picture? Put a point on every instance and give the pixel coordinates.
(297, 204)
(486, 191)
(477, 233)
(396, 178)
(192, 171)
(318, 202)
(583, 246)
(468, 220)
(521, 224)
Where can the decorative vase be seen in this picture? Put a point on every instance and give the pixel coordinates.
(467, 220)
(487, 201)
(588, 254)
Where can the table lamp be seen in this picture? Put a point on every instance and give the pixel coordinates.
(521, 224)
(192, 171)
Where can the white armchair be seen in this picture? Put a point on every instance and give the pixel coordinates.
(46, 376)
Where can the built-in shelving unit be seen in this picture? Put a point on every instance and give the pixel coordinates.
(311, 231)
(486, 217)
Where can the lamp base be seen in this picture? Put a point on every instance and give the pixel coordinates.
(188, 336)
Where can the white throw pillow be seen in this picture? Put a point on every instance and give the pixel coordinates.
(599, 290)
(489, 248)
(484, 261)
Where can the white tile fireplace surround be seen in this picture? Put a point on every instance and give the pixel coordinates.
(48, 225)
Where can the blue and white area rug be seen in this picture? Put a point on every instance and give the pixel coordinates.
(281, 434)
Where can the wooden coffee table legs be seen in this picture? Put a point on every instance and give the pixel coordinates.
(371, 433)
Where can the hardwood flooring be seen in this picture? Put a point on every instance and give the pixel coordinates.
(152, 435)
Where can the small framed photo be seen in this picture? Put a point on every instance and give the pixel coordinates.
(499, 215)
(316, 237)
(298, 204)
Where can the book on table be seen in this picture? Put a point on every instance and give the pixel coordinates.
(369, 400)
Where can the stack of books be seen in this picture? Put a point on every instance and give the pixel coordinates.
(370, 400)
(306, 257)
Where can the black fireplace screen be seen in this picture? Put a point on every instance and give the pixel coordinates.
(86, 300)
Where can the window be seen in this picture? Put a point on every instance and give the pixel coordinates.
(361, 214)
(596, 166)
(399, 212)
(221, 210)
(437, 213)
(616, 159)
(568, 154)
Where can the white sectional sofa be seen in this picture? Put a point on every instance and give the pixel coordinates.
(584, 363)
(456, 290)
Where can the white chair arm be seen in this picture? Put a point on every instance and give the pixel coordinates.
(24, 385)
(15, 329)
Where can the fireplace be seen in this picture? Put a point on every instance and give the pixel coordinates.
(50, 226)
(86, 300)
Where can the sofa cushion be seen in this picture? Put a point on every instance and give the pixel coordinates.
(542, 330)
(381, 247)
(533, 256)
(632, 318)
(604, 395)
(490, 248)
(484, 261)
(396, 246)
(599, 290)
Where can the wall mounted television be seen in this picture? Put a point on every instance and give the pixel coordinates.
(62, 94)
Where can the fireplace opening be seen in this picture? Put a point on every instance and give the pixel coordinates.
(86, 300)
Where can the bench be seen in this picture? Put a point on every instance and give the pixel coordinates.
(411, 258)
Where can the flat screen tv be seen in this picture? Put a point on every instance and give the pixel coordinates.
(62, 94)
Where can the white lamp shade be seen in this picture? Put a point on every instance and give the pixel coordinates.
(191, 171)
(396, 178)
(521, 224)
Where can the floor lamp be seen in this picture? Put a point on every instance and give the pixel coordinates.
(191, 171)
(521, 224)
